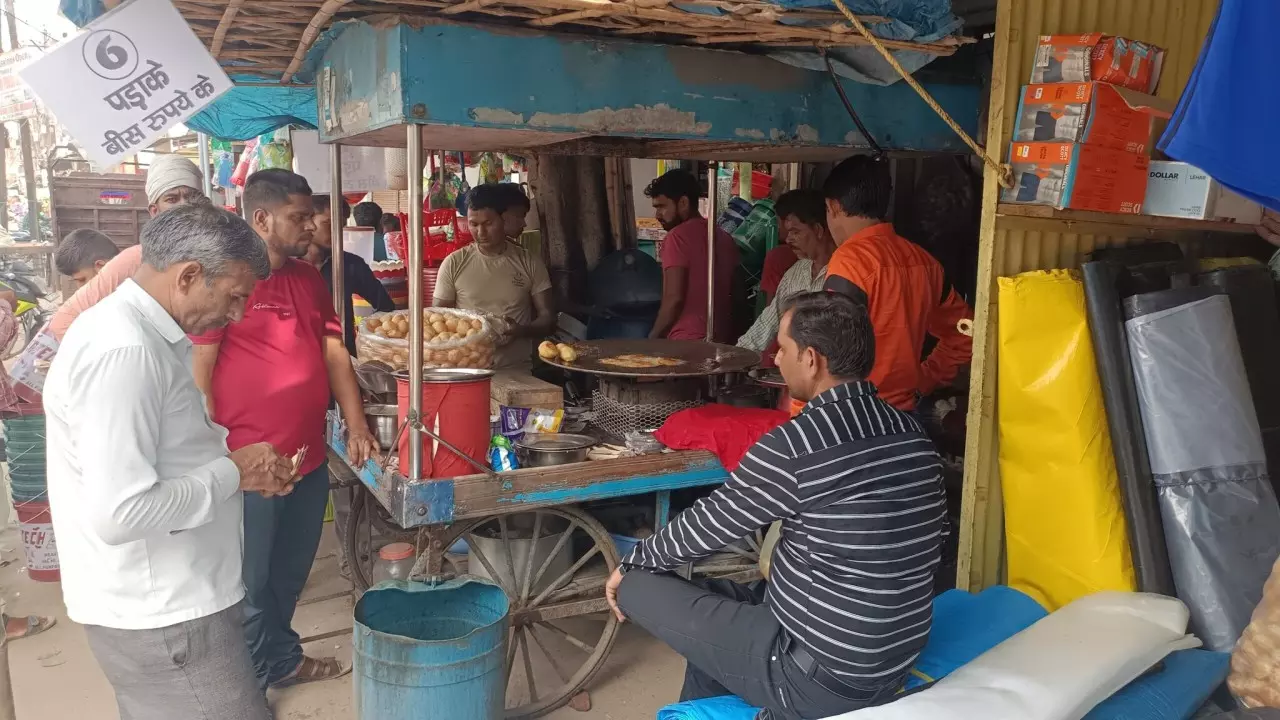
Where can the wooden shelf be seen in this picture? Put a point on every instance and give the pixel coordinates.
(1045, 217)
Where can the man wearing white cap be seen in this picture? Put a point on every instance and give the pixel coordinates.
(172, 180)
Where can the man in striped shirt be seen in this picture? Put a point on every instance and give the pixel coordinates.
(857, 486)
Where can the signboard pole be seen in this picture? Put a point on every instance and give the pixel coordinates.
(24, 127)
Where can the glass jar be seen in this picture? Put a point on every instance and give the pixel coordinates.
(394, 562)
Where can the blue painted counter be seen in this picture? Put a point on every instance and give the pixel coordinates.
(445, 500)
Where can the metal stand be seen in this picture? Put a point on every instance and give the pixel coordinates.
(712, 201)
(335, 242)
(414, 263)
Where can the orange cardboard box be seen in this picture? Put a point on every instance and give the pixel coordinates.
(1093, 113)
(1078, 176)
(1098, 58)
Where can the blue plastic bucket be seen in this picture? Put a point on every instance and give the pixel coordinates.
(423, 651)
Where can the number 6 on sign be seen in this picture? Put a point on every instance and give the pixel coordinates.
(110, 54)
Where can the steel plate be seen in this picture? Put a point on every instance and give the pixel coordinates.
(700, 358)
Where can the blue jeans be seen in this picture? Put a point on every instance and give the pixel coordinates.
(281, 535)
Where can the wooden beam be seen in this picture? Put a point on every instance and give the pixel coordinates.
(309, 35)
(567, 17)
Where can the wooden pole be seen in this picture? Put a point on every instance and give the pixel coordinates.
(24, 127)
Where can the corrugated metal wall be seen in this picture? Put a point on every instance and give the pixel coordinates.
(1013, 245)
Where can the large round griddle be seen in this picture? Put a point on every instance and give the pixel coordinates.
(700, 358)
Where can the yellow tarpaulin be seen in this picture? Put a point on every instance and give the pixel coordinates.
(1064, 522)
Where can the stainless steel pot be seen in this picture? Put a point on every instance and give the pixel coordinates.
(383, 424)
(547, 449)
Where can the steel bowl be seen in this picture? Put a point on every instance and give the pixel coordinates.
(548, 449)
(383, 424)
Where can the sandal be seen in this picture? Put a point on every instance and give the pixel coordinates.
(35, 624)
(313, 670)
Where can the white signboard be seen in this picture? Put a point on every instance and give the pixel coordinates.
(126, 78)
(363, 168)
(16, 101)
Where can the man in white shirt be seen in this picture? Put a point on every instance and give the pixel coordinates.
(146, 500)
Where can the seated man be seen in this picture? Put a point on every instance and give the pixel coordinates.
(802, 218)
(858, 488)
(358, 279)
(497, 277)
(82, 253)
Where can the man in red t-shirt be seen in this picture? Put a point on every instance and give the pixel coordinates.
(683, 313)
(269, 378)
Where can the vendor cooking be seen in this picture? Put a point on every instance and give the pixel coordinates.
(857, 485)
(498, 278)
(683, 312)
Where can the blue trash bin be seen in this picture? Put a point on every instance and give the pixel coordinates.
(431, 651)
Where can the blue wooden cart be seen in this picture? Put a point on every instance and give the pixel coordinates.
(459, 87)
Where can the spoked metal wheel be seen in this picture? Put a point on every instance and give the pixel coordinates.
(369, 527)
(739, 562)
(552, 563)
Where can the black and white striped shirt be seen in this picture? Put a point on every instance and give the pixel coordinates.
(858, 486)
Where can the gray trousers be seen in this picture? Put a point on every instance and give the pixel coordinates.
(196, 670)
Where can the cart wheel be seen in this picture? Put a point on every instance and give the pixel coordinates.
(561, 627)
(369, 527)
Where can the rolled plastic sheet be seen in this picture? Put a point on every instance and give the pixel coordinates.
(1064, 519)
(1253, 308)
(1124, 420)
(1219, 511)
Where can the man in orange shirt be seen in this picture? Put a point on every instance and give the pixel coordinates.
(904, 287)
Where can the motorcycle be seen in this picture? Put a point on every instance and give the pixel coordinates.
(33, 307)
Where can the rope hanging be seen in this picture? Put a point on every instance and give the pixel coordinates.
(1003, 171)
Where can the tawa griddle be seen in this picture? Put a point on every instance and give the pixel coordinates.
(700, 358)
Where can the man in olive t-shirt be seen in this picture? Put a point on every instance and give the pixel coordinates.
(499, 278)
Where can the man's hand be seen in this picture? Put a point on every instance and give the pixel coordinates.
(1269, 229)
(360, 445)
(263, 470)
(611, 593)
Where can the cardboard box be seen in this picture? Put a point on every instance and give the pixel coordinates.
(1093, 113)
(1078, 176)
(1181, 190)
(1097, 57)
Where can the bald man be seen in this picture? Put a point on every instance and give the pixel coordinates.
(172, 180)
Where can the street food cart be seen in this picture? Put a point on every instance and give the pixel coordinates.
(430, 81)
(398, 82)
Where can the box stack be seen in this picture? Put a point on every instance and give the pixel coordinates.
(1083, 132)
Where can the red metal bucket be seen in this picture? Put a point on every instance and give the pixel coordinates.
(36, 525)
(455, 406)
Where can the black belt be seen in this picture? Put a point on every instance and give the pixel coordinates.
(823, 677)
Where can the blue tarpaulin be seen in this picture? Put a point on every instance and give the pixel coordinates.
(247, 111)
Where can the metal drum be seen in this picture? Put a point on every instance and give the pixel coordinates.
(426, 651)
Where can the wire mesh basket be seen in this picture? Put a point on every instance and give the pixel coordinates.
(619, 418)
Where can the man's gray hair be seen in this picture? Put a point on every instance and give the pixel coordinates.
(204, 234)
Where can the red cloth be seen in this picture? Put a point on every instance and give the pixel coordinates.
(776, 264)
(725, 430)
(686, 247)
(271, 382)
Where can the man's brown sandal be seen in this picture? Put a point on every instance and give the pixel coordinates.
(313, 670)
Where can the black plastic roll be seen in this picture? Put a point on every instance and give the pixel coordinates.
(1154, 302)
(1124, 419)
(1252, 294)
